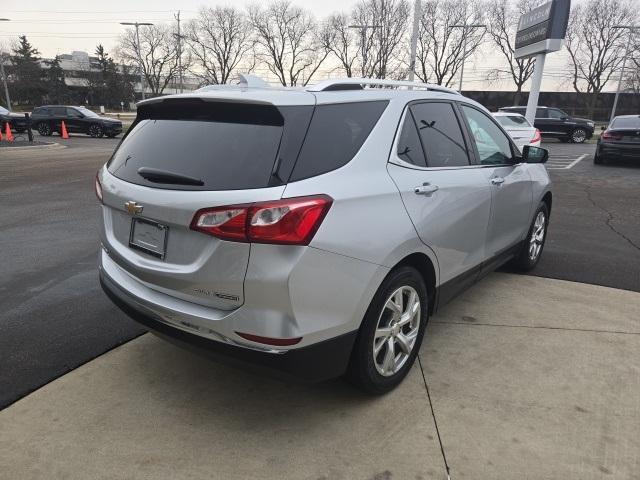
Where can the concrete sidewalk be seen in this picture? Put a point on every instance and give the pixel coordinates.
(530, 378)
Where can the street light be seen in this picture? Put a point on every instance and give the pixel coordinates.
(138, 25)
(363, 35)
(632, 29)
(464, 28)
(4, 77)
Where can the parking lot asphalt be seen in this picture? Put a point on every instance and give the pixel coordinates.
(527, 378)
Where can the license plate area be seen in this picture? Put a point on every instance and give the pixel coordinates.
(148, 237)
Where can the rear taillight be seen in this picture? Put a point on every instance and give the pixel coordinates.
(98, 188)
(536, 137)
(606, 135)
(278, 342)
(291, 221)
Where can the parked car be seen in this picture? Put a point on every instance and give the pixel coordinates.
(313, 231)
(553, 122)
(16, 121)
(48, 119)
(620, 140)
(519, 128)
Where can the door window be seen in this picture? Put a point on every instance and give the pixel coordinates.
(58, 111)
(440, 134)
(556, 114)
(541, 113)
(409, 147)
(493, 145)
(73, 113)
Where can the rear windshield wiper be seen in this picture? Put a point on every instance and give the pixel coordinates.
(163, 176)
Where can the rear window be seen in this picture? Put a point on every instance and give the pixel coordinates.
(513, 121)
(628, 122)
(336, 133)
(227, 146)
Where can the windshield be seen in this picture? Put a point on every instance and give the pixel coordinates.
(626, 122)
(88, 113)
(3, 111)
(512, 121)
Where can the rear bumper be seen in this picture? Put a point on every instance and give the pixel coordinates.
(316, 362)
(608, 150)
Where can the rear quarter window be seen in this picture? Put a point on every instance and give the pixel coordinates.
(336, 133)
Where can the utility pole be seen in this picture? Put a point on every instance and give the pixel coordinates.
(632, 29)
(417, 7)
(139, 48)
(464, 28)
(363, 39)
(4, 76)
(179, 37)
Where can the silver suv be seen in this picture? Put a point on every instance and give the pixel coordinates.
(313, 231)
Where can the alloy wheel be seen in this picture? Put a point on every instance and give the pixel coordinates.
(579, 136)
(537, 236)
(396, 331)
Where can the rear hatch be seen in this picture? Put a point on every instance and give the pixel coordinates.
(624, 130)
(185, 154)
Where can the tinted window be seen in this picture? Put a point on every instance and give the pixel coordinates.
(440, 134)
(227, 146)
(625, 122)
(58, 111)
(335, 135)
(557, 114)
(73, 113)
(409, 147)
(541, 113)
(41, 111)
(493, 145)
(512, 121)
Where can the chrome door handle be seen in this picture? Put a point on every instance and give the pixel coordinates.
(425, 189)
(497, 180)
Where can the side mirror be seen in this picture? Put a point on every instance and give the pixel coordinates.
(603, 128)
(532, 154)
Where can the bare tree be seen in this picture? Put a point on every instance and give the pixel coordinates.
(596, 48)
(502, 20)
(632, 77)
(339, 38)
(441, 48)
(288, 41)
(159, 53)
(219, 40)
(381, 42)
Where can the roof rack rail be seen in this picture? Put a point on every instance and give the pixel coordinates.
(353, 83)
(245, 80)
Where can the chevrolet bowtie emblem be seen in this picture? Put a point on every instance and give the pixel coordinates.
(132, 207)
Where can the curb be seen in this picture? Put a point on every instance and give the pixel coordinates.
(52, 146)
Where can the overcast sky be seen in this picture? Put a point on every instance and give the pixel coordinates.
(61, 26)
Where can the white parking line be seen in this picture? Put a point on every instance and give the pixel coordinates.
(564, 163)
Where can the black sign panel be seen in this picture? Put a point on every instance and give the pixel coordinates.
(534, 34)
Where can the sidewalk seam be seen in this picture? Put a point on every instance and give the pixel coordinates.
(433, 415)
(587, 330)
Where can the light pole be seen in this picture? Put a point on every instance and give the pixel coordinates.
(363, 36)
(138, 25)
(464, 28)
(179, 37)
(4, 77)
(632, 29)
(414, 37)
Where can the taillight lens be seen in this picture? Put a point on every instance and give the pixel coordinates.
(536, 137)
(606, 135)
(291, 221)
(278, 342)
(98, 188)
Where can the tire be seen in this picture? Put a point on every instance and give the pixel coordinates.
(579, 135)
(95, 131)
(44, 129)
(527, 259)
(366, 369)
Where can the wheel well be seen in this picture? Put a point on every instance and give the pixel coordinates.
(547, 200)
(423, 264)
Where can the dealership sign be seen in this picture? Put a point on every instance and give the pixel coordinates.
(542, 30)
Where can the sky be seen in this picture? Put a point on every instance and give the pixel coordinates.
(62, 26)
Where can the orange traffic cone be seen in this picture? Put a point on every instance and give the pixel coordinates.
(8, 133)
(63, 131)
(0, 133)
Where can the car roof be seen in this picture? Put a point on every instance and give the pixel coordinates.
(626, 116)
(330, 91)
(506, 114)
